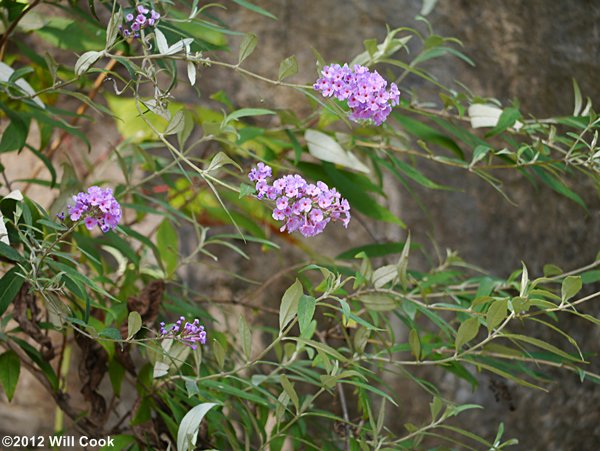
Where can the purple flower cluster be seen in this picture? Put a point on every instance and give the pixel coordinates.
(364, 91)
(303, 206)
(189, 334)
(141, 18)
(98, 207)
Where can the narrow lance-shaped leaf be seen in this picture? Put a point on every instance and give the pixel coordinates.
(134, 324)
(289, 389)
(466, 332)
(176, 124)
(287, 68)
(414, 343)
(570, 287)
(10, 367)
(161, 41)
(306, 310)
(496, 313)
(247, 47)
(245, 336)
(221, 159)
(191, 73)
(187, 435)
(289, 304)
(86, 60)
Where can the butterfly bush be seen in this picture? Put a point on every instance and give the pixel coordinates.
(189, 333)
(141, 18)
(303, 206)
(365, 91)
(97, 207)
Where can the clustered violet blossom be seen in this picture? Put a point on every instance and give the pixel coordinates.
(303, 206)
(98, 207)
(189, 334)
(364, 91)
(141, 18)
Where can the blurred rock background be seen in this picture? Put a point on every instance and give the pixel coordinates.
(526, 50)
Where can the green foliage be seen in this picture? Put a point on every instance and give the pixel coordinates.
(304, 363)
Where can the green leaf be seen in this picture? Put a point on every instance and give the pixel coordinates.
(496, 313)
(219, 160)
(187, 435)
(287, 68)
(112, 30)
(167, 243)
(245, 337)
(403, 263)
(319, 346)
(9, 252)
(116, 374)
(246, 112)
(288, 387)
(415, 343)
(111, 333)
(134, 324)
(384, 275)
(466, 332)
(222, 388)
(246, 190)
(415, 174)
(558, 186)
(86, 60)
(508, 118)
(289, 304)
(428, 134)
(219, 353)
(570, 287)
(176, 124)
(256, 9)
(161, 42)
(372, 250)
(552, 270)
(247, 47)
(378, 302)
(306, 310)
(14, 136)
(435, 407)
(10, 367)
(359, 200)
(10, 285)
(542, 344)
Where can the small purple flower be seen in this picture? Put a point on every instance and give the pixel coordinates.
(139, 19)
(302, 206)
(97, 207)
(189, 333)
(364, 91)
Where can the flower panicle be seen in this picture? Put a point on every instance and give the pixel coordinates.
(302, 206)
(137, 20)
(363, 90)
(97, 207)
(189, 334)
